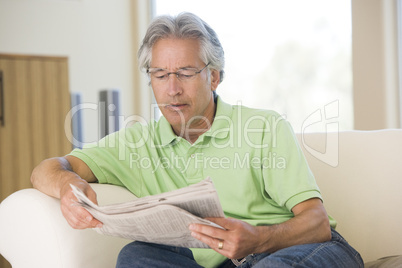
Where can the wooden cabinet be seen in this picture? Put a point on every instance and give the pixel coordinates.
(34, 103)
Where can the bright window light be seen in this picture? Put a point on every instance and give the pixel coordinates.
(290, 56)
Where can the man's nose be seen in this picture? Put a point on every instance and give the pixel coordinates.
(174, 85)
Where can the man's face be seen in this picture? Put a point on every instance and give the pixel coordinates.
(185, 104)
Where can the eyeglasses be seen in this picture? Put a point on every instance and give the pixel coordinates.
(185, 74)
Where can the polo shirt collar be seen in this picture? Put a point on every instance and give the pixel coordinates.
(220, 127)
(166, 133)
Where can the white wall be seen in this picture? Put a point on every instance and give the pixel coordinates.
(96, 35)
(375, 64)
(101, 38)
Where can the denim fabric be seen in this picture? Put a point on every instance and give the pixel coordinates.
(140, 254)
(336, 253)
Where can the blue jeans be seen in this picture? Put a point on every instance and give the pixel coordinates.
(336, 253)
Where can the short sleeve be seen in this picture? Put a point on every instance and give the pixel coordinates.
(287, 177)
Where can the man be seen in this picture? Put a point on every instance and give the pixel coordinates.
(275, 216)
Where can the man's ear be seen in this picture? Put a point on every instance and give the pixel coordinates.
(215, 79)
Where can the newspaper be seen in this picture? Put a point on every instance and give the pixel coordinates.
(162, 218)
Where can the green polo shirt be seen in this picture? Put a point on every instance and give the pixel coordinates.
(251, 155)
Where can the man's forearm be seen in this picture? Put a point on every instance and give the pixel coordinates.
(52, 174)
(238, 239)
(53, 177)
(311, 225)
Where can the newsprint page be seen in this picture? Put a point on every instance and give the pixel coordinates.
(162, 218)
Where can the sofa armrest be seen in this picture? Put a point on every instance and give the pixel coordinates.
(34, 232)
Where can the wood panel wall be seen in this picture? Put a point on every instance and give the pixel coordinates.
(35, 101)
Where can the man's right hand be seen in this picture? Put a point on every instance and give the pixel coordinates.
(77, 216)
(53, 177)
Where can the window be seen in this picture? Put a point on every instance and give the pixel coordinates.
(290, 56)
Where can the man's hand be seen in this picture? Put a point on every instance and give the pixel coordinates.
(238, 240)
(53, 177)
(309, 225)
(76, 216)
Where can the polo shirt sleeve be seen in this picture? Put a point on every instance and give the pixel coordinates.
(109, 159)
(290, 181)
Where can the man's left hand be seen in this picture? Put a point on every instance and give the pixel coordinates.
(238, 240)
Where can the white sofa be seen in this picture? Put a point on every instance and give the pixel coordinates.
(359, 173)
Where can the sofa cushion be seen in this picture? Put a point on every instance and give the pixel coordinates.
(363, 191)
(386, 262)
(46, 239)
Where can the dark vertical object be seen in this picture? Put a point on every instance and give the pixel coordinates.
(76, 120)
(109, 111)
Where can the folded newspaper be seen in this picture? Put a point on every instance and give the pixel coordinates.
(162, 218)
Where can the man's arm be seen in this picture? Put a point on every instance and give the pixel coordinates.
(53, 177)
(309, 225)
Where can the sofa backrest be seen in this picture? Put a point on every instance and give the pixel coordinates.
(360, 177)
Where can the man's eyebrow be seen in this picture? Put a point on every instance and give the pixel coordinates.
(187, 67)
(163, 69)
(156, 69)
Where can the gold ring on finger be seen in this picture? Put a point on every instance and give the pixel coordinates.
(220, 245)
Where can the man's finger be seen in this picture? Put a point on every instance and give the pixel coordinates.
(208, 230)
(214, 243)
(79, 218)
(227, 223)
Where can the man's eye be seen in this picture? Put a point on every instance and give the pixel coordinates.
(185, 76)
(160, 75)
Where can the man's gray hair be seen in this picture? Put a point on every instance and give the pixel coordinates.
(183, 26)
